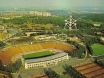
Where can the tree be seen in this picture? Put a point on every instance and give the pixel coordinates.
(2, 66)
(10, 76)
(2, 44)
(51, 74)
(19, 76)
(73, 72)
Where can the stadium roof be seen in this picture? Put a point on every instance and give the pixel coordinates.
(45, 58)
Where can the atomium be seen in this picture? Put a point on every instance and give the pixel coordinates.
(70, 23)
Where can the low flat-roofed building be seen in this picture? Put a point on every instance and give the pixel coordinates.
(45, 61)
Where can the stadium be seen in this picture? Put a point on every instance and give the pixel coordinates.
(47, 61)
(9, 56)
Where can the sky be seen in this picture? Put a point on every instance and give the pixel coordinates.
(50, 3)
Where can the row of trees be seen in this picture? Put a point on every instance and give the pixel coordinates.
(97, 17)
(15, 66)
(11, 68)
(16, 20)
(37, 19)
(2, 44)
(51, 74)
(79, 51)
(99, 57)
(89, 48)
(69, 70)
(73, 72)
(2, 66)
(3, 70)
(90, 40)
(6, 74)
(99, 60)
(100, 63)
(90, 16)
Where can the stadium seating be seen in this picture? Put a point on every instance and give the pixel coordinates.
(7, 55)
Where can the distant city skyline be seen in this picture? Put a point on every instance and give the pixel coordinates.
(50, 3)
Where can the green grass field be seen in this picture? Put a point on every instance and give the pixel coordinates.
(38, 54)
(98, 49)
(65, 76)
(102, 61)
(94, 22)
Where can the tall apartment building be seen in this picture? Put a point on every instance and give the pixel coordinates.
(38, 13)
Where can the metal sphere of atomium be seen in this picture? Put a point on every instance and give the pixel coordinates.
(65, 20)
(75, 20)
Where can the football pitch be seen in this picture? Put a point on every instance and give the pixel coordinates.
(98, 49)
(38, 54)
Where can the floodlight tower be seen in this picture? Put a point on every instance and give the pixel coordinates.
(70, 23)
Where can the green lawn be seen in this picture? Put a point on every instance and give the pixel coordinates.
(102, 61)
(98, 49)
(38, 54)
(94, 22)
(57, 68)
(65, 76)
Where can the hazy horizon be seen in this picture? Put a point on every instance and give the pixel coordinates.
(50, 3)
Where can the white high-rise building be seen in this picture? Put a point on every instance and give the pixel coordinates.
(46, 14)
(38, 13)
(31, 12)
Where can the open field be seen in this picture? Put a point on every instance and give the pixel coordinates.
(38, 54)
(98, 49)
